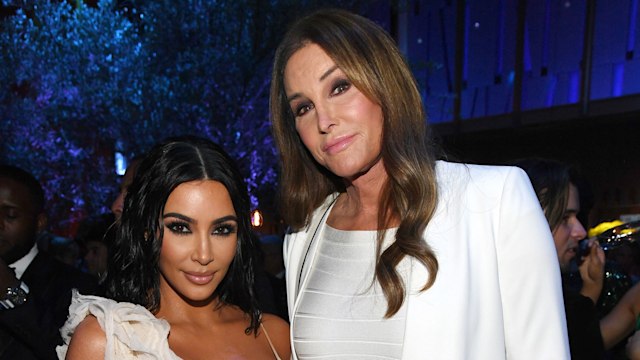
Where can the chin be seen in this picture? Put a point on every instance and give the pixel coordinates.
(199, 298)
(350, 173)
(565, 266)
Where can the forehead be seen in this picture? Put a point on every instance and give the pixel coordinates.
(310, 61)
(574, 198)
(196, 197)
(15, 194)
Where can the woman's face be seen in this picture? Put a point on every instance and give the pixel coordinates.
(338, 124)
(200, 239)
(567, 234)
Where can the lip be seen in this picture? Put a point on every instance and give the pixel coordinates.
(337, 144)
(199, 278)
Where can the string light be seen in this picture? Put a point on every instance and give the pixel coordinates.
(256, 218)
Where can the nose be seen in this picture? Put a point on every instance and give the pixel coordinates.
(577, 230)
(118, 205)
(203, 250)
(326, 119)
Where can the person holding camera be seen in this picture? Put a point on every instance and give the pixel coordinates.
(590, 334)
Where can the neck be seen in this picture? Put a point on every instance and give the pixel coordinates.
(357, 208)
(365, 188)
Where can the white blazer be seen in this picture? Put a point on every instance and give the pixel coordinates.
(497, 294)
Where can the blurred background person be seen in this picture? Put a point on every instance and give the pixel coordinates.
(36, 287)
(64, 249)
(96, 235)
(590, 333)
(125, 182)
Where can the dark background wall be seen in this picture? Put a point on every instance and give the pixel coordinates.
(503, 80)
(605, 150)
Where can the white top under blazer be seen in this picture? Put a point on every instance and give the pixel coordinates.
(341, 311)
(497, 294)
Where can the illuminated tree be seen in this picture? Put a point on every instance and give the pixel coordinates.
(79, 82)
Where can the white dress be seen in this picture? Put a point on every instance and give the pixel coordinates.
(132, 331)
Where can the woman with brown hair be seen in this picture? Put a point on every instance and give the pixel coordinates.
(591, 332)
(391, 253)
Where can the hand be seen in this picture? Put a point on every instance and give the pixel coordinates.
(592, 271)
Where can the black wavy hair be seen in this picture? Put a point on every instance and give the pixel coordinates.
(134, 274)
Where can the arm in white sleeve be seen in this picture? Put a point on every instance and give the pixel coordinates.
(529, 273)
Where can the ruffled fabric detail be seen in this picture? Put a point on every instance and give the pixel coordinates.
(132, 331)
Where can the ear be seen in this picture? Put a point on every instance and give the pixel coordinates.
(42, 221)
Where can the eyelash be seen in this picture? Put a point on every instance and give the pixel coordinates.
(566, 218)
(342, 84)
(182, 228)
(225, 229)
(339, 87)
(302, 107)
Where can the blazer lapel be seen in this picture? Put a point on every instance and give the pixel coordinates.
(300, 251)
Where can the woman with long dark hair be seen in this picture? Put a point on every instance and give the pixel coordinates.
(180, 279)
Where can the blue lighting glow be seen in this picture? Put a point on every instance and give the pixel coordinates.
(121, 163)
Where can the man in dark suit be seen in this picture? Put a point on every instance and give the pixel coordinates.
(35, 289)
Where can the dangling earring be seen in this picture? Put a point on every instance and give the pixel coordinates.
(146, 236)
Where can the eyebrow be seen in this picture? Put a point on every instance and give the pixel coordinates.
(328, 72)
(322, 78)
(191, 221)
(20, 209)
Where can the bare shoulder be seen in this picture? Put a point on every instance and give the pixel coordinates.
(278, 330)
(88, 341)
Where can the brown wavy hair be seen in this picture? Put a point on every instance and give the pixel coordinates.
(372, 62)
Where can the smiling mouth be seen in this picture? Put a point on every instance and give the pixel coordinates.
(337, 145)
(199, 279)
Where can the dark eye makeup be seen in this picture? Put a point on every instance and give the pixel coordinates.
(183, 228)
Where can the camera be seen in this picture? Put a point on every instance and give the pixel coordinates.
(582, 250)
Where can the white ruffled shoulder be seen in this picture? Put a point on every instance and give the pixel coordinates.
(132, 331)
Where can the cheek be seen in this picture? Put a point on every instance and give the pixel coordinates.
(368, 107)
(304, 134)
(21, 231)
(311, 143)
(227, 251)
(561, 236)
(170, 252)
